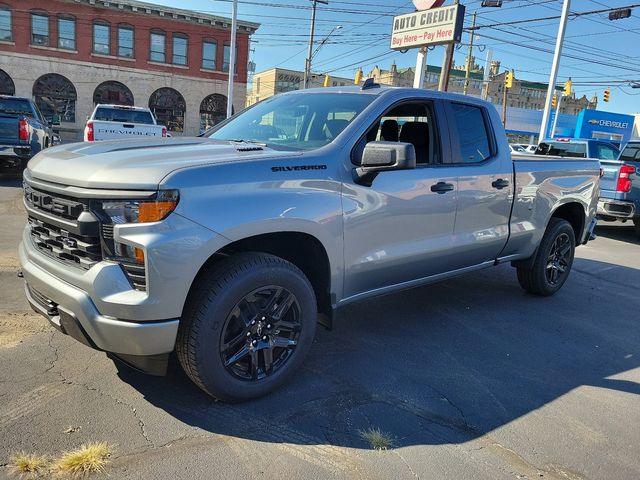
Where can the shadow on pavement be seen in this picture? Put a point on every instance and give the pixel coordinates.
(444, 363)
(625, 232)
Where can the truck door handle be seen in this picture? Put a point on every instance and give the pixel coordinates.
(500, 184)
(442, 187)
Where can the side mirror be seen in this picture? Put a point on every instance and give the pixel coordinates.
(381, 157)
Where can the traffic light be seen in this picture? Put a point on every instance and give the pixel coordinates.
(327, 80)
(568, 87)
(358, 78)
(607, 94)
(508, 79)
(554, 101)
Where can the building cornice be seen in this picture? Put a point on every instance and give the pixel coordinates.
(170, 13)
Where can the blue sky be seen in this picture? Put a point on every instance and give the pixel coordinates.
(598, 52)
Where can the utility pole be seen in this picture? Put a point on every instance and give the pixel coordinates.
(446, 64)
(487, 74)
(421, 62)
(307, 63)
(504, 106)
(554, 69)
(555, 119)
(232, 58)
(469, 56)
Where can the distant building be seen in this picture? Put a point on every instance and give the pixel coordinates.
(69, 55)
(278, 80)
(524, 94)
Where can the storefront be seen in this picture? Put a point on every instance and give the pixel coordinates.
(605, 125)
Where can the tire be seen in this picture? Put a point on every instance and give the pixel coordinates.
(636, 226)
(549, 263)
(229, 308)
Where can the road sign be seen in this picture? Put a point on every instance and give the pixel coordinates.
(427, 4)
(431, 27)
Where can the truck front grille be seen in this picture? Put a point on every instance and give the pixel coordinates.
(75, 232)
(78, 250)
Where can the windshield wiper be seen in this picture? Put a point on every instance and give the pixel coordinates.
(254, 142)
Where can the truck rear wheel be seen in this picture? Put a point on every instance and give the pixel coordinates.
(553, 260)
(248, 323)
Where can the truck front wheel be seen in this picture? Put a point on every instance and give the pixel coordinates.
(248, 323)
(553, 260)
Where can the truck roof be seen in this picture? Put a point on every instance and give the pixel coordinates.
(379, 90)
(15, 98)
(121, 107)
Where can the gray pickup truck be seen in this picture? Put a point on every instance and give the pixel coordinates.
(229, 248)
(23, 131)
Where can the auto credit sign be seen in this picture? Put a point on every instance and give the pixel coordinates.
(428, 27)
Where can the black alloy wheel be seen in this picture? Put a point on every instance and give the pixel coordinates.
(559, 259)
(261, 333)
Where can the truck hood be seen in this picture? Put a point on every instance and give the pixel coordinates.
(138, 164)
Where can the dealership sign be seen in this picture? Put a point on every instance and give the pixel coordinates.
(428, 27)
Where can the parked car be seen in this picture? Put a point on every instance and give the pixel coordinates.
(579, 148)
(23, 131)
(516, 148)
(620, 187)
(110, 122)
(530, 149)
(229, 248)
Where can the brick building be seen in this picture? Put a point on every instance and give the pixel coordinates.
(69, 55)
(279, 80)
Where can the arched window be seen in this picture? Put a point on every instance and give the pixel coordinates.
(66, 32)
(157, 41)
(179, 50)
(113, 92)
(168, 106)
(101, 38)
(7, 87)
(213, 110)
(56, 98)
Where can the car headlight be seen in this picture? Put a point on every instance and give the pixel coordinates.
(120, 212)
(142, 211)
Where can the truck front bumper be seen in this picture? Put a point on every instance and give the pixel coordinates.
(615, 208)
(71, 311)
(101, 309)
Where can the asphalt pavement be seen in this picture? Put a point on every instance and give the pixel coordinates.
(473, 378)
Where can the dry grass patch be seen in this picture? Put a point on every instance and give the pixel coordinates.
(377, 439)
(27, 465)
(89, 458)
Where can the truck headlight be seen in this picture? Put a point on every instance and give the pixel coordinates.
(142, 211)
(120, 212)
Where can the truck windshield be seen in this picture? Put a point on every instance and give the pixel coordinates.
(294, 122)
(16, 106)
(631, 153)
(122, 115)
(563, 149)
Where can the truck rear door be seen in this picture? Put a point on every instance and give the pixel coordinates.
(485, 186)
(11, 110)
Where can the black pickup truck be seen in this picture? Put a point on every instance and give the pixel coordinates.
(23, 131)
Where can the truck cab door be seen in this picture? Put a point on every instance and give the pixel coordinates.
(485, 186)
(399, 229)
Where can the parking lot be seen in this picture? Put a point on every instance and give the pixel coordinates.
(472, 378)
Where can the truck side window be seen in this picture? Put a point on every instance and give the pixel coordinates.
(473, 138)
(606, 152)
(410, 123)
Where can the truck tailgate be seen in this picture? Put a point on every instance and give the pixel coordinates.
(609, 180)
(104, 130)
(8, 129)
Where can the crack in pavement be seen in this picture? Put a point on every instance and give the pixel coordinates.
(67, 381)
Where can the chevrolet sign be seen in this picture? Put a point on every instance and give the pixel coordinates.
(429, 27)
(609, 123)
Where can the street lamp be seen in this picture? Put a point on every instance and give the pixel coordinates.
(324, 40)
(307, 70)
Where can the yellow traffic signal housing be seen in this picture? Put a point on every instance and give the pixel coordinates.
(607, 94)
(327, 80)
(508, 79)
(568, 87)
(554, 101)
(358, 78)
